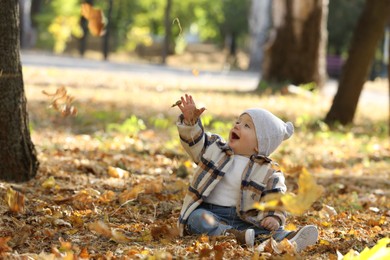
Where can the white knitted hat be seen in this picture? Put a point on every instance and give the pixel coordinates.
(270, 130)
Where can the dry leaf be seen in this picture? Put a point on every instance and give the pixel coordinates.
(84, 253)
(62, 102)
(96, 19)
(308, 193)
(49, 183)
(15, 200)
(178, 103)
(100, 228)
(131, 194)
(116, 172)
(119, 237)
(3, 245)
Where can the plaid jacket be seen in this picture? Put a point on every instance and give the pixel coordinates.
(214, 157)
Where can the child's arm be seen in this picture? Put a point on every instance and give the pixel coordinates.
(273, 219)
(190, 128)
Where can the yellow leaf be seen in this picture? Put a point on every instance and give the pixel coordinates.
(308, 193)
(49, 183)
(268, 205)
(379, 251)
(324, 242)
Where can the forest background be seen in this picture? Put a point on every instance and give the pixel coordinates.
(112, 177)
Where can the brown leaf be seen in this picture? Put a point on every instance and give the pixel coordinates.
(131, 194)
(3, 245)
(84, 253)
(178, 103)
(15, 200)
(62, 102)
(101, 228)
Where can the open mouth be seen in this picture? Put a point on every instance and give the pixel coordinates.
(235, 136)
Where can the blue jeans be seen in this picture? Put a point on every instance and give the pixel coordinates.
(213, 220)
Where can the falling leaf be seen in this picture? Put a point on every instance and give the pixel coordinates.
(62, 102)
(15, 200)
(96, 19)
(195, 72)
(379, 251)
(308, 193)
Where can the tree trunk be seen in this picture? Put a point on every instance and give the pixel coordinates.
(84, 27)
(367, 35)
(295, 52)
(388, 69)
(27, 31)
(259, 25)
(106, 39)
(168, 29)
(18, 159)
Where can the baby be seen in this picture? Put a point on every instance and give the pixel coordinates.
(231, 176)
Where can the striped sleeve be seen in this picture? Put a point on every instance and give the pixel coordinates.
(192, 138)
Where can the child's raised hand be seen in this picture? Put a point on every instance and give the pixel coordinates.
(189, 110)
(270, 223)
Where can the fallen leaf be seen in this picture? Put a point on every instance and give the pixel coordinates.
(15, 200)
(3, 245)
(116, 172)
(100, 228)
(49, 183)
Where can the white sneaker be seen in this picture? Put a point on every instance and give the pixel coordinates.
(243, 237)
(304, 237)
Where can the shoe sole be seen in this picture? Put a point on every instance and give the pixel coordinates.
(305, 237)
(250, 237)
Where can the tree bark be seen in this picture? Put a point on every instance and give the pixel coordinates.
(295, 52)
(18, 159)
(367, 35)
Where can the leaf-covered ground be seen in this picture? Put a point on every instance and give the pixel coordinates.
(112, 178)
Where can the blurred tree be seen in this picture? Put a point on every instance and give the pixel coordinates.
(295, 52)
(259, 24)
(367, 35)
(342, 18)
(168, 29)
(235, 24)
(27, 31)
(84, 27)
(106, 36)
(18, 159)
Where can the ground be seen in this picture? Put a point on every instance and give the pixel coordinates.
(112, 177)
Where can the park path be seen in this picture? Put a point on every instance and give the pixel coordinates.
(221, 80)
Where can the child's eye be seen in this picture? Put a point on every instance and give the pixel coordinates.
(248, 126)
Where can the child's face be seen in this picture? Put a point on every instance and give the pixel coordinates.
(242, 137)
